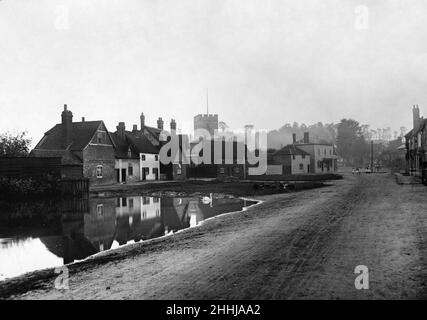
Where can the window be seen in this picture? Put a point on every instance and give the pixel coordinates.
(293, 157)
(301, 166)
(324, 151)
(99, 171)
(130, 170)
(143, 157)
(155, 200)
(100, 210)
(156, 157)
(237, 170)
(101, 136)
(124, 202)
(318, 151)
(221, 170)
(131, 203)
(303, 156)
(179, 171)
(129, 153)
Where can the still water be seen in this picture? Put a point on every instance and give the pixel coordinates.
(49, 234)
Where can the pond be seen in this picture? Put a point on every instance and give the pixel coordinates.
(47, 234)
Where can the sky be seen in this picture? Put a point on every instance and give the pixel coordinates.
(265, 62)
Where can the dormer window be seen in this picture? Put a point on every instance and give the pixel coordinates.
(129, 153)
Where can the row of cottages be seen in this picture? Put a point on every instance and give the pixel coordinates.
(416, 144)
(303, 156)
(88, 150)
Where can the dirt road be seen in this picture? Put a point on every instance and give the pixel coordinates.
(293, 246)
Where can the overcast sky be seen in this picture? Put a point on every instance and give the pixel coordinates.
(265, 62)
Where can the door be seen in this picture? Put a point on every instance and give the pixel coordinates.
(123, 175)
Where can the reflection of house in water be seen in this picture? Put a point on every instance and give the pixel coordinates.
(93, 225)
(138, 218)
(100, 223)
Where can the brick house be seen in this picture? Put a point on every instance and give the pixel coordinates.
(222, 165)
(85, 148)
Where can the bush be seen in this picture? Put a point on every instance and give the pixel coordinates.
(17, 187)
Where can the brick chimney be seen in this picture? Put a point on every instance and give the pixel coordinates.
(294, 138)
(121, 129)
(416, 116)
(306, 137)
(67, 125)
(173, 125)
(160, 123)
(142, 118)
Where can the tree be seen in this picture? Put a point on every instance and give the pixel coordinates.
(351, 144)
(14, 145)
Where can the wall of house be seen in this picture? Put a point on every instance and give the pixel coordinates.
(151, 163)
(179, 171)
(320, 152)
(230, 170)
(126, 164)
(99, 155)
(297, 162)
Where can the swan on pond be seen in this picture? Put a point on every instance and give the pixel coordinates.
(207, 200)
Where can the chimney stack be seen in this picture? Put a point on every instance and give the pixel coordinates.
(135, 128)
(83, 119)
(416, 116)
(121, 129)
(67, 125)
(160, 123)
(294, 138)
(306, 137)
(173, 125)
(142, 118)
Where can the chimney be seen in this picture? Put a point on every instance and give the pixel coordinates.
(294, 138)
(142, 118)
(135, 128)
(306, 137)
(121, 129)
(173, 125)
(160, 123)
(83, 119)
(67, 125)
(416, 116)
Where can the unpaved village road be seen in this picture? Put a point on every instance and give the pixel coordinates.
(293, 246)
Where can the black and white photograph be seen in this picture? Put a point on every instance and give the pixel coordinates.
(195, 151)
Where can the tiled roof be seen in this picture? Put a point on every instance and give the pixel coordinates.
(290, 149)
(68, 157)
(136, 141)
(82, 133)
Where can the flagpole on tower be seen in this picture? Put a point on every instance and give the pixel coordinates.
(207, 101)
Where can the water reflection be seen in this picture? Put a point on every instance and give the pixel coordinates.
(51, 234)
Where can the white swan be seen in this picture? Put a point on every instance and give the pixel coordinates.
(207, 200)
